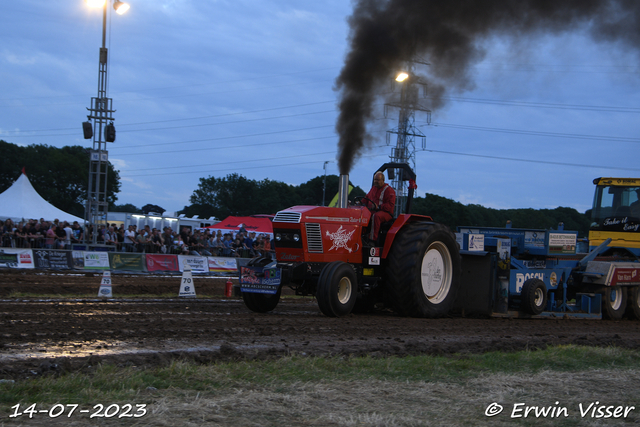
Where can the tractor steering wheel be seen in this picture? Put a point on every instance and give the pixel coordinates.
(358, 200)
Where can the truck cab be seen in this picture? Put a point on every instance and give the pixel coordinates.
(616, 215)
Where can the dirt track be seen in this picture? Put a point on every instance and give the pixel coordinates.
(39, 336)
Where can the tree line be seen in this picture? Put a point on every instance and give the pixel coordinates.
(59, 175)
(239, 196)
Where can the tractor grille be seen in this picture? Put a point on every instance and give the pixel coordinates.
(293, 217)
(314, 238)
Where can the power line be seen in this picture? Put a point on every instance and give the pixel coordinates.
(217, 139)
(540, 133)
(583, 107)
(222, 148)
(545, 162)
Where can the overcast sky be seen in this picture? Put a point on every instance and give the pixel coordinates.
(210, 88)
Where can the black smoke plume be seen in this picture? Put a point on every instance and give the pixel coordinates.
(449, 34)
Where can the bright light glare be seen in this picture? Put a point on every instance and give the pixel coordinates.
(402, 77)
(120, 7)
(96, 3)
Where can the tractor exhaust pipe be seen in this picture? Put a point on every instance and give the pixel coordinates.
(343, 191)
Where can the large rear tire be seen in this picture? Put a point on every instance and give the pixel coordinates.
(424, 270)
(614, 302)
(534, 296)
(337, 289)
(633, 302)
(261, 303)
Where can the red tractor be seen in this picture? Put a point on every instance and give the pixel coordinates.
(414, 267)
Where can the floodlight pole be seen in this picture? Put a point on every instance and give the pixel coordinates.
(101, 112)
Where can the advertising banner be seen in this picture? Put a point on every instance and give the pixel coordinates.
(223, 265)
(198, 264)
(16, 258)
(96, 260)
(125, 261)
(157, 262)
(53, 259)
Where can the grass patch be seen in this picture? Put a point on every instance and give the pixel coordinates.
(363, 391)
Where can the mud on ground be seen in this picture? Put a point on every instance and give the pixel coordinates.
(59, 334)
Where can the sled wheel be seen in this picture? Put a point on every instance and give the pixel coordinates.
(534, 296)
(424, 270)
(337, 289)
(614, 302)
(633, 303)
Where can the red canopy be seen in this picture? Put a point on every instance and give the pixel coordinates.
(251, 224)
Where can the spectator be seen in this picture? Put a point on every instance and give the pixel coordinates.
(200, 240)
(227, 249)
(142, 240)
(217, 245)
(130, 243)
(8, 233)
(68, 234)
(119, 237)
(168, 240)
(248, 243)
(156, 241)
(180, 246)
(20, 237)
(266, 247)
(50, 237)
(78, 235)
(110, 238)
(38, 235)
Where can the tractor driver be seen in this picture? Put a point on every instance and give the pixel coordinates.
(382, 202)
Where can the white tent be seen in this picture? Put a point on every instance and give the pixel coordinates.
(22, 201)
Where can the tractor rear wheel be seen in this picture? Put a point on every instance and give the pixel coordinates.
(534, 296)
(337, 289)
(633, 303)
(614, 302)
(424, 270)
(261, 303)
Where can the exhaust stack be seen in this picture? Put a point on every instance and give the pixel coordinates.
(343, 191)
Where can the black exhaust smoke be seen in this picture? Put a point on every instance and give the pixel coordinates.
(450, 35)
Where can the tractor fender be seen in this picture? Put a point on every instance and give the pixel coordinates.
(400, 222)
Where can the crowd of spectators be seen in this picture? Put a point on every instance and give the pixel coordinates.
(61, 235)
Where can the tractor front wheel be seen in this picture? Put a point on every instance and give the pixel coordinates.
(337, 289)
(424, 270)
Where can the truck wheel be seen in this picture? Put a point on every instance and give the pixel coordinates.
(337, 289)
(534, 296)
(261, 303)
(614, 302)
(424, 270)
(633, 304)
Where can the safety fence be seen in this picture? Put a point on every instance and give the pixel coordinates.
(54, 259)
